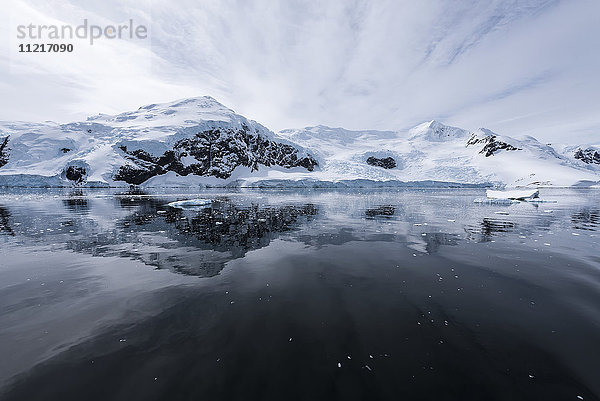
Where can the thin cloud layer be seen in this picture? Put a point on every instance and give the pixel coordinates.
(521, 67)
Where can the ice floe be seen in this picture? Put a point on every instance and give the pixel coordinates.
(190, 203)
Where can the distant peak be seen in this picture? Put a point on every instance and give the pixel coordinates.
(191, 108)
(198, 101)
(435, 131)
(201, 101)
(433, 124)
(486, 132)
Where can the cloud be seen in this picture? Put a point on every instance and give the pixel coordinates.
(515, 66)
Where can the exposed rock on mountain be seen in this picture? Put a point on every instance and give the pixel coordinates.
(491, 144)
(588, 155)
(215, 152)
(387, 162)
(74, 173)
(4, 151)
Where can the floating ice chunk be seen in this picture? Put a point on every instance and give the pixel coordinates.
(517, 194)
(190, 203)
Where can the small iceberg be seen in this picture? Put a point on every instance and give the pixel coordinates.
(191, 204)
(509, 197)
(517, 194)
(513, 196)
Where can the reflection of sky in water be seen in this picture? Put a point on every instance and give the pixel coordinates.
(446, 288)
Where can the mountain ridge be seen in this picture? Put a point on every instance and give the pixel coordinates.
(200, 142)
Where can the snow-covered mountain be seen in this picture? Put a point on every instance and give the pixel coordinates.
(198, 141)
(433, 151)
(193, 138)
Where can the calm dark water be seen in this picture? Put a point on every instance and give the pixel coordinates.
(323, 295)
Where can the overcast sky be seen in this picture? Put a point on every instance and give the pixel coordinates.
(518, 67)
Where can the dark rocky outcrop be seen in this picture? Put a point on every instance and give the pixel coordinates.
(491, 145)
(4, 151)
(215, 152)
(386, 162)
(588, 156)
(77, 174)
(65, 150)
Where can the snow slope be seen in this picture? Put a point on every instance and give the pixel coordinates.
(199, 142)
(433, 151)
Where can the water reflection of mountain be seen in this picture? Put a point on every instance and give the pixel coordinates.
(76, 202)
(487, 229)
(431, 242)
(227, 227)
(4, 222)
(192, 242)
(586, 219)
(141, 226)
(320, 239)
(380, 211)
(435, 240)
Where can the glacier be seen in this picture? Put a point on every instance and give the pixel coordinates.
(198, 142)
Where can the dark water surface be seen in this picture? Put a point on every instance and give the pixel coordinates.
(322, 295)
